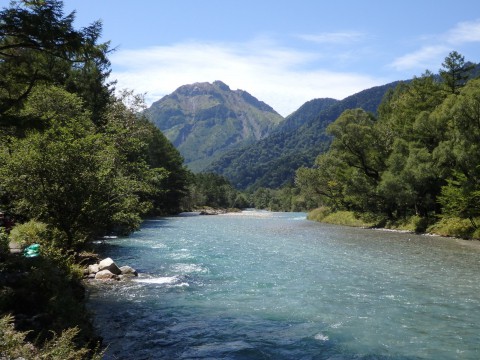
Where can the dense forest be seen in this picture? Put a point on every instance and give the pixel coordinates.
(415, 163)
(77, 162)
(72, 154)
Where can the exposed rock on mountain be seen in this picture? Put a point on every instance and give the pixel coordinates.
(203, 120)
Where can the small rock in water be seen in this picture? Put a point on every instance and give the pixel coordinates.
(128, 271)
(109, 264)
(105, 275)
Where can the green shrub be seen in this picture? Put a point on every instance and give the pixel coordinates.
(453, 226)
(347, 218)
(476, 234)
(13, 345)
(49, 292)
(29, 233)
(319, 214)
(50, 240)
(4, 241)
(63, 347)
(413, 223)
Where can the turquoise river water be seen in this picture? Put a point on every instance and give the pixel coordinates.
(261, 285)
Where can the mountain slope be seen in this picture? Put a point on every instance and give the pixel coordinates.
(205, 120)
(305, 113)
(273, 161)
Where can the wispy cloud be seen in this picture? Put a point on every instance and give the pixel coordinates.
(285, 78)
(439, 46)
(464, 32)
(420, 59)
(333, 37)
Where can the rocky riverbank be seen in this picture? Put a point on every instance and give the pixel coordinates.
(216, 211)
(107, 269)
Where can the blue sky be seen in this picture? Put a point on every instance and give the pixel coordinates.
(282, 52)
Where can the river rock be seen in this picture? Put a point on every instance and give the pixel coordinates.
(109, 264)
(213, 211)
(128, 271)
(105, 275)
(93, 269)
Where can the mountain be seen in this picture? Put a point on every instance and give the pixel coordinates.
(272, 162)
(204, 120)
(306, 112)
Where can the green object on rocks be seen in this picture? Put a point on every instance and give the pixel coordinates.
(32, 251)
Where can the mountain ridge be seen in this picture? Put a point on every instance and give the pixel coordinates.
(205, 120)
(272, 161)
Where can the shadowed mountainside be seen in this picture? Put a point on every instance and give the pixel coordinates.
(272, 162)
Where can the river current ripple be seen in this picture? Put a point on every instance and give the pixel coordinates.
(262, 285)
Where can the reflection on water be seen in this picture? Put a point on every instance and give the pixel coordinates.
(260, 285)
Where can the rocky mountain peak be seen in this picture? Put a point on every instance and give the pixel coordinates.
(204, 120)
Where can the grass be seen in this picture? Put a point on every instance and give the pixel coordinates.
(413, 223)
(446, 226)
(346, 218)
(456, 227)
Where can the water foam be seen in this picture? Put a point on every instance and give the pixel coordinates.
(169, 281)
(188, 268)
(321, 337)
(159, 246)
(159, 281)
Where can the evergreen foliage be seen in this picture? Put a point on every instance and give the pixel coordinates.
(455, 72)
(212, 190)
(287, 198)
(39, 45)
(76, 158)
(76, 162)
(417, 158)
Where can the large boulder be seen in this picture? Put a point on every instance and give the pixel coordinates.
(105, 275)
(109, 264)
(128, 271)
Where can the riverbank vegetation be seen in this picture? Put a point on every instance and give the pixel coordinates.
(416, 165)
(77, 162)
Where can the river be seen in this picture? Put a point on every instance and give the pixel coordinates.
(262, 285)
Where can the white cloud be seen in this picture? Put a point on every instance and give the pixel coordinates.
(468, 31)
(333, 37)
(283, 78)
(423, 58)
(430, 56)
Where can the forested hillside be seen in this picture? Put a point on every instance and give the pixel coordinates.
(71, 153)
(308, 111)
(76, 163)
(205, 120)
(272, 161)
(416, 161)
